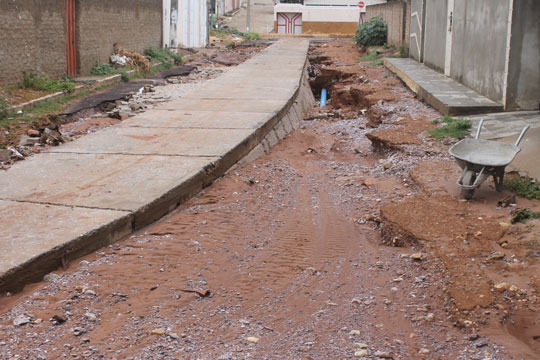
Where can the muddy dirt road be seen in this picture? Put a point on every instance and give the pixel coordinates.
(290, 254)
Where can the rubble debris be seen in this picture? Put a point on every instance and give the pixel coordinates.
(21, 320)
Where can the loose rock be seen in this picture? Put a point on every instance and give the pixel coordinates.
(21, 320)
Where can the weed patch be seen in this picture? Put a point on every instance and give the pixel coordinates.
(166, 56)
(223, 33)
(453, 127)
(522, 215)
(42, 82)
(373, 57)
(100, 69)
(4, 108)
(523, 186)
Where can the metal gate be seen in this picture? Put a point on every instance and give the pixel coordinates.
(71, 38)
(289, 23)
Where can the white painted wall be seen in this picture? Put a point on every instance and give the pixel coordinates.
(327, 10)
(191, 26)
(193, 23)
(166, 23)
(320, 13)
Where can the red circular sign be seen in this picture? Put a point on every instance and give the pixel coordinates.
(361, 4)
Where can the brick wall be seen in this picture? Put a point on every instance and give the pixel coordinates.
(397, 15)
(32, 37)
(134, 24)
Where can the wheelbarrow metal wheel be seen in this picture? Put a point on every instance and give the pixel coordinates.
(468, 179)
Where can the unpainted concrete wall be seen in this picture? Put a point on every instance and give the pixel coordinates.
(435, 34)
(134, 24)
(397, 15)
(524, 67)
(416, 29)
(479, 36)
(32, 37)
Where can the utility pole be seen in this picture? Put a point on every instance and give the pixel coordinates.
(248, 15)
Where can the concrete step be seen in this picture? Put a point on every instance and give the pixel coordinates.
(443, 93)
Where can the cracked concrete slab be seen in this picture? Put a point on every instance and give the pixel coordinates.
(199, 119)
(117, 182)
(45, 234)
(260, 106)
(157, 141)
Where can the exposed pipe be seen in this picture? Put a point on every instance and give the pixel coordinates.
(323, 97)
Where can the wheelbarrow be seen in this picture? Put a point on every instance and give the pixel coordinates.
(480, 159)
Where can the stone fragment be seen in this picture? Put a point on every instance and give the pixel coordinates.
(501, 286)
(5, 155)
(21, 320)
(418, 256)
(26, 140)
(33, 133)
(159, 331)
(361, 353)
(496, 255)
(78, 331)
(90, 317)
(252, 339)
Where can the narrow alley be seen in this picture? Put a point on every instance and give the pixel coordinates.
(321, 249)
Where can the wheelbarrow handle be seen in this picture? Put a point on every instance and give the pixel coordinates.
(522, 134)
(479, 129)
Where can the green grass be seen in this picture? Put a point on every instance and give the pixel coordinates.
(453, 127)
(49, 107)
(100, 69)
(164, 55)
(43, 83)
(523, 186)
(371, 56)
(522, 215)
(223, 33)
(374, 58)
(403, 52)
(4, 108)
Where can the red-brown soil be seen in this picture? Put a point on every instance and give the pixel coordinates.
(296, 251)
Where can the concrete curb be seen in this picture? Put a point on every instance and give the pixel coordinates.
(122, 222)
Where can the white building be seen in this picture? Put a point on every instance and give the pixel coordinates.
(185, 23)
(340, 17)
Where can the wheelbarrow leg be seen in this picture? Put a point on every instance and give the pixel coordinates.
(498, 179)
(469, 177)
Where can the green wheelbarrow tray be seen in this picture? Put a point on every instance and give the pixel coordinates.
(480, 159)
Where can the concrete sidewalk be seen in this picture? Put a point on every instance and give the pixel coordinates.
(262, 17)
(78, 197)
(441, 92)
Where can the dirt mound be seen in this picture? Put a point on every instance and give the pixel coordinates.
(439, 218)
(390, 138)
